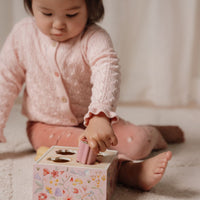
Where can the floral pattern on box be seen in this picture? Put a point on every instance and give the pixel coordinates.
(63, 182)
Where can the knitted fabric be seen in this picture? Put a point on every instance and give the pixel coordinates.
(65, 83)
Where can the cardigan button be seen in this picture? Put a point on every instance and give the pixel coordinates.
(54, 43)
(64, 99)
(73, 121)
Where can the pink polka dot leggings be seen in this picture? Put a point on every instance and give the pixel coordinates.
(134, 142)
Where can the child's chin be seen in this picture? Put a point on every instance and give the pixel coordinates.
(60, 39)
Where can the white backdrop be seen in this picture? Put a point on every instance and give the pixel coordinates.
(158, 42)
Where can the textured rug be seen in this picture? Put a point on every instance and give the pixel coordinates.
(181, 180)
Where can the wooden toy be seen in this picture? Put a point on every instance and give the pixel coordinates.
(85, 154)
(40, 151)
(58, 176)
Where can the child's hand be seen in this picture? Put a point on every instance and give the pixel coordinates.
(2, 138)
(99, 133)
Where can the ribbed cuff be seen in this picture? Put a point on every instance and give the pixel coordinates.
(94, 111)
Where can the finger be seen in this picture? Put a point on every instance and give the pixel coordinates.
(108, 143)
(102, 145)
(81, 137)
(113, 140)
(93, 144)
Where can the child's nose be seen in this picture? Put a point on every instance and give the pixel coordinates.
(59, 24)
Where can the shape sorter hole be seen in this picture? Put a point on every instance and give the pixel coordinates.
(65, 152)
(59, 159)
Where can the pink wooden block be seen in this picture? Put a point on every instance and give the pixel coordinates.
(58, 176)
(85, 154)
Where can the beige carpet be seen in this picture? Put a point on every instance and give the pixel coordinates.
(181, 180)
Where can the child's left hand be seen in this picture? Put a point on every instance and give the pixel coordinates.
(99, 133)
(2, 138)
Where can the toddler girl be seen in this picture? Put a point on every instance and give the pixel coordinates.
(71, 75)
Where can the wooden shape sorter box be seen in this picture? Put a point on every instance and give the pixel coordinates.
(58, 176)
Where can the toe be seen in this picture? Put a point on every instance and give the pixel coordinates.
(169, 155)
(159, 170)
(162, 164)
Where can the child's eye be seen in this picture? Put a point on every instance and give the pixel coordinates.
(72, 15)
(47, 14)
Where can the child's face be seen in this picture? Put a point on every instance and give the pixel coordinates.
(60, 19)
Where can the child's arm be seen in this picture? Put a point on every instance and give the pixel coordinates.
(99, 133)
(105, 79)
(12, 75)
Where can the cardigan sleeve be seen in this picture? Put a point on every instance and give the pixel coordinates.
(12, 77)
(105, 75)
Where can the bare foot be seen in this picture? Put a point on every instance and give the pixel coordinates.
(146, 174)
(171, 134)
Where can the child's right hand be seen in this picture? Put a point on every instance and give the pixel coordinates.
(2, 138)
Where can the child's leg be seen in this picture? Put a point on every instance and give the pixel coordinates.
(134, 142)
(41, 134)
(171, 134)
(137, 142)
(146, 174)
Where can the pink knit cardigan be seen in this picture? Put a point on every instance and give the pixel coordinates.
(65, 83)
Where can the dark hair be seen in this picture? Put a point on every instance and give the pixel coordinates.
(95, 9)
